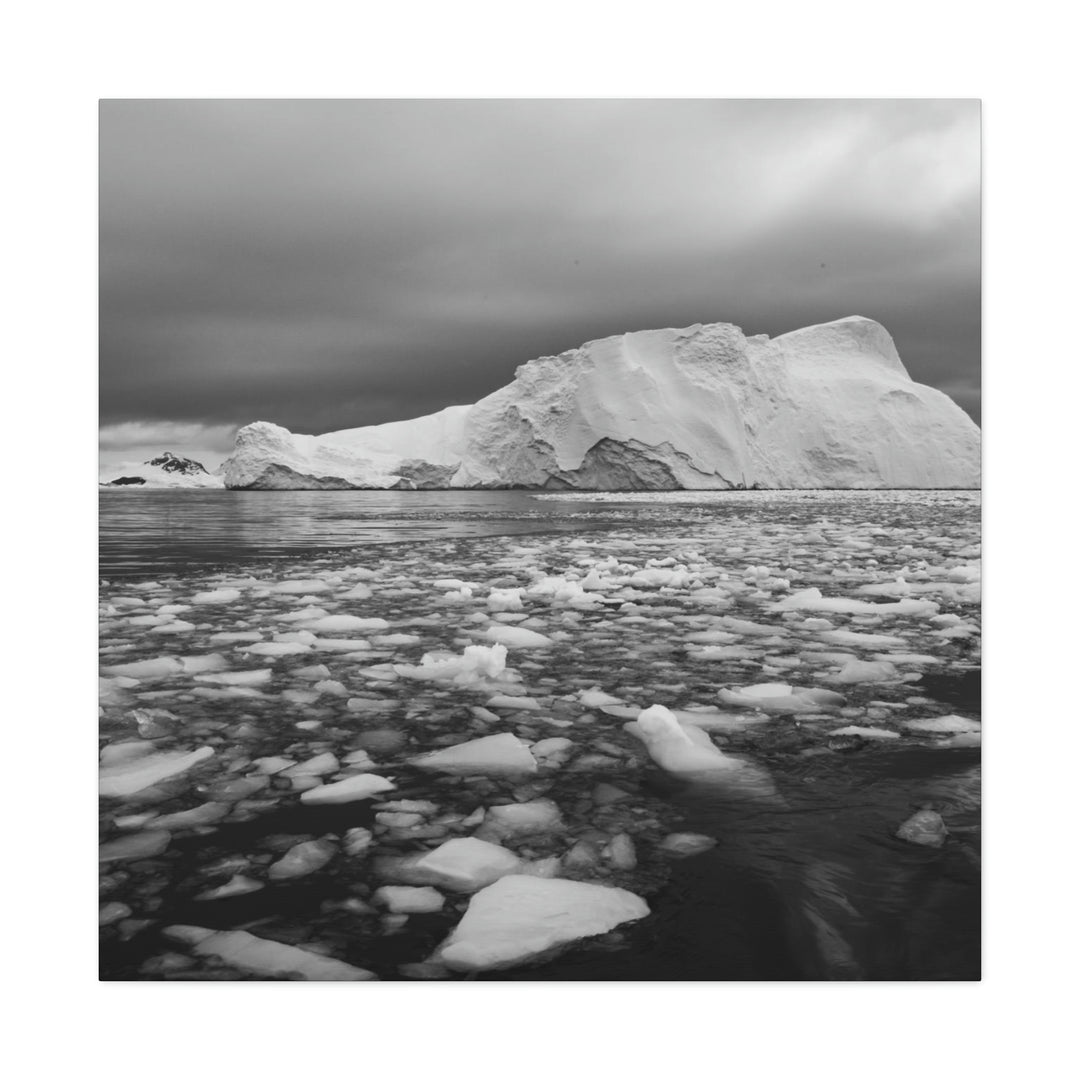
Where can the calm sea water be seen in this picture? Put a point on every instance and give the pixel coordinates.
(143, 533)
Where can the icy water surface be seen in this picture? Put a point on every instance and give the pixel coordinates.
(828, 643)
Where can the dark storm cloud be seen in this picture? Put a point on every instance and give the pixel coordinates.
(330, 264)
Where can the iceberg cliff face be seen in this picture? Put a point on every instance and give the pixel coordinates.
(705, 407)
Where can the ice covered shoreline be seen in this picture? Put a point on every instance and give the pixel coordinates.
(343, 723)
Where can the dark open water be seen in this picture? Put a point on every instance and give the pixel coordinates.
(812, 885)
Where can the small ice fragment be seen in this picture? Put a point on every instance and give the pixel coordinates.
(466, 864)
(518, 637)
(276, 648)
(351, 789)
(160, 668)
(302, 859)
(683, 845)
(129, 776)
(595, 698)
(237, 885)
(494, 755)
(140, 845)
(335, 624)
(238, 678)
(300, 587)
(866, 732)
(216, 596)
(319, 765)
(862, 671)
(924, 827)
(409, 899)
(944, 725)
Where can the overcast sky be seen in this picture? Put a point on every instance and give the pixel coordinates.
(329, 264)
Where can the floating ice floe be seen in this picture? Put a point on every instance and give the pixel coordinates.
(924, 827)
(409, 899)
(475, 667)
(812, 600)
(866, 732)
(242, 950)
(683, 845)
(216, 596)
(129, 776)
(159, 668)
(276, 648)
(494, 755)
(518, 637)
(944, 725)
(352, 789)
(302, 859)
(676, 748)
(300, 587)
(336, 624)
(780, 698)
(140, 845)
(866, 671)
(519, 918)
(520, 819)
(594, 698)
(464, 865)
(238, 678)
(505, 600)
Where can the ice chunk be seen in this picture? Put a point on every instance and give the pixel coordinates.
(237, 885)
(351, 789)
(866, 732)
(506, 701)
(409, 899)
(160, 668)
(319, 765)
(944, 725)
(474, 667)
(522, 917)
(465, 864)
(300, 587)
(276, 648)
(494, 755)
(595, 698)
(302, 859)
(244, 951)
(193, 665)
(520, 819)
(216, 596)
(255, 677)
(861, 671)
(683, 845)
(865, 641)
(505, 600)
(676, 748)
(518, 637)
(128, 776)
(924, 827)
(335, 624)
(812, 600)
(140, 845)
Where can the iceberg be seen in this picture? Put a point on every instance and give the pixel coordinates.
(704, 407)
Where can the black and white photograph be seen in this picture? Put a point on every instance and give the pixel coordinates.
(540, 540)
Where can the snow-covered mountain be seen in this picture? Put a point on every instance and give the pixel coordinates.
(164, 471)
(829, 406)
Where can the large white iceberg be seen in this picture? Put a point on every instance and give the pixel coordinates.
(828, 406)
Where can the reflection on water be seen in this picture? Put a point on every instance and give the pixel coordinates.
(143, 533)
